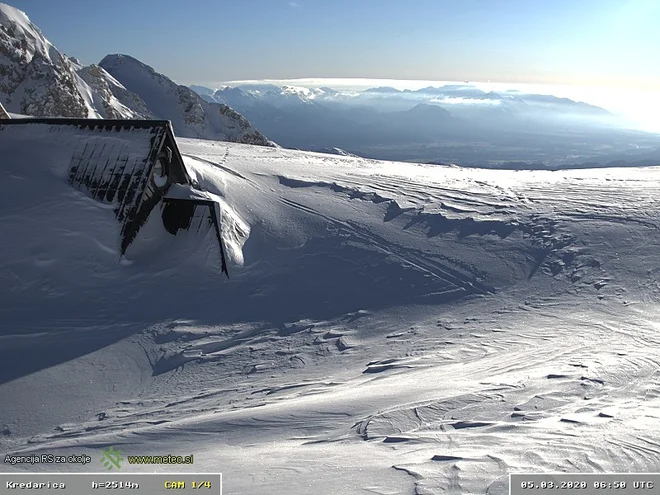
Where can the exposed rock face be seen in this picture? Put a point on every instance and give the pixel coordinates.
(115, 100)
(37, 80)
(191, 115)
(248, 135)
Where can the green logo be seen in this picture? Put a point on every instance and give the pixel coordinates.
(111, 458)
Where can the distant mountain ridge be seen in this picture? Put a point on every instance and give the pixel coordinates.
(453, 123)
(447, 95)
(38, 80)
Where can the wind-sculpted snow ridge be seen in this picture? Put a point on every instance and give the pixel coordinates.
(387, 327)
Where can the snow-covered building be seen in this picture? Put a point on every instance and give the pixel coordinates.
(133, 165)
(3, 113)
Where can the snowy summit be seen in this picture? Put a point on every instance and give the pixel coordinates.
(37, 80)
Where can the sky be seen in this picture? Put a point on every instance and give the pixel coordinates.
(604, 43)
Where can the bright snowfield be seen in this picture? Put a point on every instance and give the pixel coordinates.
(387, 328)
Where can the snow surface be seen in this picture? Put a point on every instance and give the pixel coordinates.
(387, 328)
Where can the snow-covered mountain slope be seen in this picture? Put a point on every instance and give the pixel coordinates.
(35, 78)
(387, 327)
(191, 116)
(111, 98)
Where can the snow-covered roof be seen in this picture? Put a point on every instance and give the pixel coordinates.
(95, 142)
(3, 113)
(109, 160)
(130, 165)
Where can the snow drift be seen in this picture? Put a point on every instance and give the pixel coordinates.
(393, 328)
